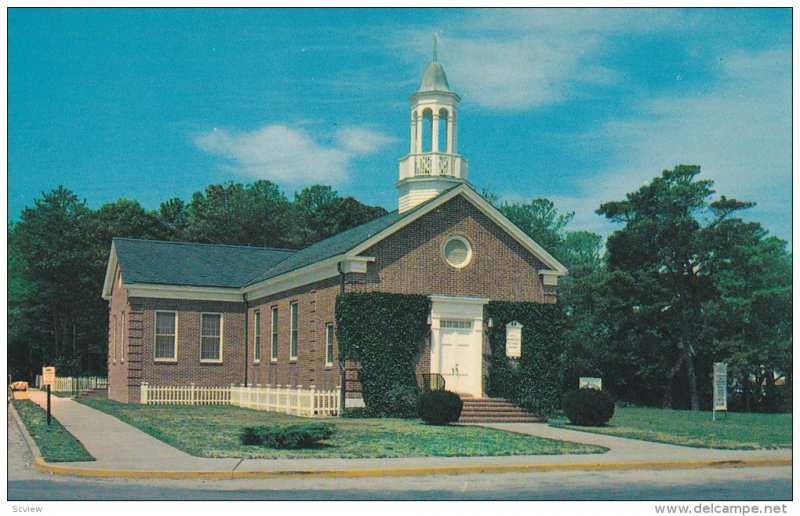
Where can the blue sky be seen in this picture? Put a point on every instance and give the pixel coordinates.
(578, 106)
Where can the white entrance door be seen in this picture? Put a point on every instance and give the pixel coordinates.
(456, 339)
(457, 342)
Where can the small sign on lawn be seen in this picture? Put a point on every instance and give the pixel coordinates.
(48, 375)
(720, 388)
(589, 382)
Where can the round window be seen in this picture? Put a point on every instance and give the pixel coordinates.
(457, 251)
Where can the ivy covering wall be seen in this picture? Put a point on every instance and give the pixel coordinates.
(532, 380)
(385, 333)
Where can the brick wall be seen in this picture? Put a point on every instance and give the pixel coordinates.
(316, 305)
(187, 368)
(411, 261)
(118, 359)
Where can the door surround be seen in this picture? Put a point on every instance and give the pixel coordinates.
(459, 308)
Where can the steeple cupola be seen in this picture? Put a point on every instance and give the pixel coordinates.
(433, 163)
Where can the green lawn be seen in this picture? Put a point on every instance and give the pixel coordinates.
(740, 431)
(55, 443)
(212, 431)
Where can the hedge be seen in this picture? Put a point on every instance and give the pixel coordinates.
(532, 381)
(385, 333)
(292, 437)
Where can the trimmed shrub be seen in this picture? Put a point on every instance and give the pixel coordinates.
(306, 435)
(249, 436)
(588, 407)
(440, 407)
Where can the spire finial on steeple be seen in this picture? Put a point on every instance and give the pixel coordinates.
(435, 42)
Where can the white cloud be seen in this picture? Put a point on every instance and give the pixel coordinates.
(739, 132)
(521, 59)
(289, 154)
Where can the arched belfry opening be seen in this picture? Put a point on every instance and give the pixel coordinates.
(427, 130)
(433, 163)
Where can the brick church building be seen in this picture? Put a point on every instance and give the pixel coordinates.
(216, 315)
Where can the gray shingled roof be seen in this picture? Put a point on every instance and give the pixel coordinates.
(211, 265)
(332, 246)
(201, 265)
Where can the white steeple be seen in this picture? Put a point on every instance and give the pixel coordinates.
(433, 163)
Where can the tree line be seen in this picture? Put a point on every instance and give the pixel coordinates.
(683, 283)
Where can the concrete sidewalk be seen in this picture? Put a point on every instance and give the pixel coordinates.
(122, 450)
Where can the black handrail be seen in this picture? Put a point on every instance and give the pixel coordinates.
(433, 382)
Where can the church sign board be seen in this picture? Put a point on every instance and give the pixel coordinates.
(513, 339)
(720, 388)
(588, 382)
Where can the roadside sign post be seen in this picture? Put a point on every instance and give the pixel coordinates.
(48, 404)
(48, 379)
(720, 388)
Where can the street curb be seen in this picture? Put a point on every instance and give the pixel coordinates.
(407, 472)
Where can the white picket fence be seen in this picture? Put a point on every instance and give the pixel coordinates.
(289, 400)
(184, 395)
(75, 384)
(298, 401)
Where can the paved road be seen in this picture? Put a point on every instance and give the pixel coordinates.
(751, 484)
(27, 483)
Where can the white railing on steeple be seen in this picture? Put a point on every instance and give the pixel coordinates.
(433, 164)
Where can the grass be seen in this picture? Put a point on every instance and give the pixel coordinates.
(739, 431)
(213, 431)
(54, 442)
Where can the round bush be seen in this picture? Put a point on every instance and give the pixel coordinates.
(440, 407)
(588, 407)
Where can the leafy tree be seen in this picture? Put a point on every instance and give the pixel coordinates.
(665, 265)
(258, 214)
(174, 217)
(322, 213)
(754, 311)
(22, 351)
(48, 240)
(540, 220)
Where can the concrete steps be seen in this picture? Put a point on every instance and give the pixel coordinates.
(495, 410)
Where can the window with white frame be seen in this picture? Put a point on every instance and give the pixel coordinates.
(274, 343)
(257, 336)
(293, 334)
(166, 336)
(122, 340)
(329, 344)
(211, 337)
